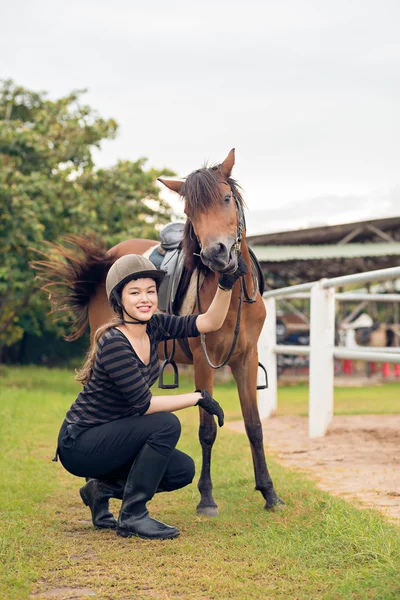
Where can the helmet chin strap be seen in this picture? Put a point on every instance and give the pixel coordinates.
(135, 321)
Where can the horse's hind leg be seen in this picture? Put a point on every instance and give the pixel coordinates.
(207, 433)
(245, 373)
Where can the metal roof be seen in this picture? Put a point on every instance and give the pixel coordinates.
(320, 235)
(327, 251)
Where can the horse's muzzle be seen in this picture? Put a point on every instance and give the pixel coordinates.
(219, 259)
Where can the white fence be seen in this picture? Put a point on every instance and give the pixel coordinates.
(321, 350)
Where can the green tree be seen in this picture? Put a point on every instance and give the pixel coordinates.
(49, 188)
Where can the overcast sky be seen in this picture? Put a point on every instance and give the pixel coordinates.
(307, 91)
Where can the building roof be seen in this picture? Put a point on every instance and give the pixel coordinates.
(322, 235)
(275, 253)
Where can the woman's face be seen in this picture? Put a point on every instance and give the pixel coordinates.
(139, 298)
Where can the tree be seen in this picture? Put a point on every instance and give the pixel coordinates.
(49, 187)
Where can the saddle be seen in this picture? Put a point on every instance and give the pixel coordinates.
(365, 333)
(169, 257)
(364, 326)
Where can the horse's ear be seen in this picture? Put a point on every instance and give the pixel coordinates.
(172, 184)
(227, 165)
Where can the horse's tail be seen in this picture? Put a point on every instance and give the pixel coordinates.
(70, 275)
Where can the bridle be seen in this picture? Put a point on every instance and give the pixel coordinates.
(241, 225)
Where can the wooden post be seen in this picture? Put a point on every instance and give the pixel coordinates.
(322, 338)
(268, 399)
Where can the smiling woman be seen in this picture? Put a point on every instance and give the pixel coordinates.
(116, 433)
(139, 297)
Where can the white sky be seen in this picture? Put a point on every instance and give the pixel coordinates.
(307, 91)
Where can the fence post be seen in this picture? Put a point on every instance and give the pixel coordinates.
(322, 338)
(267, 399)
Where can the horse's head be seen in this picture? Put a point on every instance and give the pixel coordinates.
(214, 209)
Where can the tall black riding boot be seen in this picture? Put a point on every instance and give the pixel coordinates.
(141, 485)
(96, 495)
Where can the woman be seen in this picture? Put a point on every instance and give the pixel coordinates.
(116, 433)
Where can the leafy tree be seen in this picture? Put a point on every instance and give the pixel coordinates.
(49, 188)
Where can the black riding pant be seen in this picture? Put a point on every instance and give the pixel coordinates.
(107, 451)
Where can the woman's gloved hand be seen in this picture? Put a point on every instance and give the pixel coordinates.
(211, 406)
(228, 280)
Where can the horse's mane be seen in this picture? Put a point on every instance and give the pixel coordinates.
(200, 192)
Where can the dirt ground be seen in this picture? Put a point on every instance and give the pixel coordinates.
(358, 459)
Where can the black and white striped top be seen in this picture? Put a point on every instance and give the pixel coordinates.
(119, 385)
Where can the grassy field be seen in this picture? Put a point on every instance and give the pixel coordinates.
(317, 547)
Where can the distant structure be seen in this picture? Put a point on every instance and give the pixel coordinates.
(291, 257)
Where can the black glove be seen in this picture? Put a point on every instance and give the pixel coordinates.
(211, 406)
(227, 281)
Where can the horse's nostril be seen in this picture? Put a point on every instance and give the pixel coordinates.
(217, 255)
(220, 251)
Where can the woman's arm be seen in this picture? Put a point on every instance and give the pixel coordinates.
(172, 403)
(215, 316)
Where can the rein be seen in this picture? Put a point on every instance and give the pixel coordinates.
(236, 332)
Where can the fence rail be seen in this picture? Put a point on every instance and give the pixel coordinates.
(321, 350)
(353, 297)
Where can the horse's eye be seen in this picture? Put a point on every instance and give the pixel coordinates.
(227, 199)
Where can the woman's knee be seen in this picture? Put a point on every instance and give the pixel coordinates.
(172, 425)
(186, 476)
(166, 433)
(190, 470)
(178, 474)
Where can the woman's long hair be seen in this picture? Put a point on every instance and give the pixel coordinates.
(84, 372)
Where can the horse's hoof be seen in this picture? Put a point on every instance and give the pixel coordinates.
(207, 511)
(273, 502)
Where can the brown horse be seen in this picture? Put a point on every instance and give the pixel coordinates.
(214, 235)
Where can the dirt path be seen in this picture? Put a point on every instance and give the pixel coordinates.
(358, 459)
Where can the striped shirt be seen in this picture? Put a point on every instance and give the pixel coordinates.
(119, 384)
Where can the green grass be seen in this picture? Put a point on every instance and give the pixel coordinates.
(317, 547)
(293, 400)
(381, 399)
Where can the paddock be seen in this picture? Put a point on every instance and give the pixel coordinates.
(357, 460)
(352, 456)
(317, 547)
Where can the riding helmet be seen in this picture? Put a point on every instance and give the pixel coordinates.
(126, 268)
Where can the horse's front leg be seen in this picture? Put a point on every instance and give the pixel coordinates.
(207, 433)
(244, 370)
